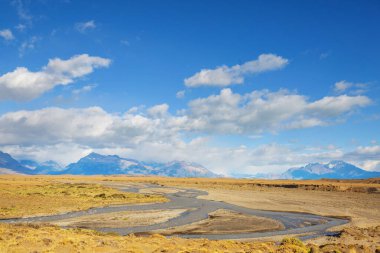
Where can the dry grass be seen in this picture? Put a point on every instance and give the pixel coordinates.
(367, 237)
(363, 186)
(24, 196)
(27, 196)
(28, 238)
(37, 238)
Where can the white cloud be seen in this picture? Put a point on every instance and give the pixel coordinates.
(85, 26)
(158, 110)
(180, 94)
(63, 153)
(22, 84)
(262, 111)
(88, 126)
(225, 76)
(355, 88)
(342, 86)
(84, 89)
(156, 134)
(7, 34)
(226, 113)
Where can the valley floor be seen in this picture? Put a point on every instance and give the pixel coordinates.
(357, 200)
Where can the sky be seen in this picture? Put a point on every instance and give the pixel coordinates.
(241, 87)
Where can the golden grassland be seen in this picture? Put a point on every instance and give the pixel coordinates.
(22, 196)
(36, 195)
(48, 238)
(362, 186)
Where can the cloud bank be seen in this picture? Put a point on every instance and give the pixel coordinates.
(157, 134)
(263, 111)
(226, 113)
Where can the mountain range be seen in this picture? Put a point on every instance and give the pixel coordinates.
(97, 164)
(331, 170)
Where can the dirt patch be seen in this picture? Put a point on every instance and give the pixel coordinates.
(362, 208)
(121, 219)
(226, 222)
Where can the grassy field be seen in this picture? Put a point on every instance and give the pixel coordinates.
(27, 196)
(47, 238)
(362, 186)
(36, 195)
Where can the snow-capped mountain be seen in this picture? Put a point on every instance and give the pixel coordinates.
(333, 169)
(183, 169)
(8, 165)
(94, 163)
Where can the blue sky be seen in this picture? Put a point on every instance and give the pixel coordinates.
(240, 87)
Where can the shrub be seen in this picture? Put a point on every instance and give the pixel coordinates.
(292, 241)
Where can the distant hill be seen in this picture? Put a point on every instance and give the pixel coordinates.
(331, 170)
(96, 164)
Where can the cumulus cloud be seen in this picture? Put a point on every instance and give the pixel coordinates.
(156, 134)
(23, 84)
(88, 126)
(158, 110)
(85, 26)
(225, 76)
(225, 113)
(261, 111)
(7, 34)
